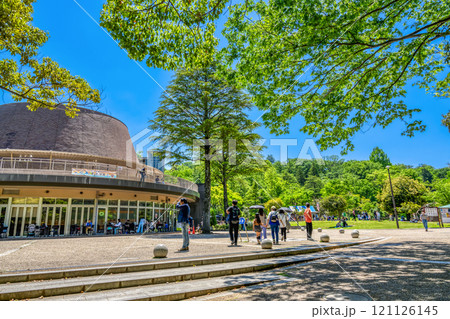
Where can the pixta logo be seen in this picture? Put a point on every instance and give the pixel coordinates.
(252, 152)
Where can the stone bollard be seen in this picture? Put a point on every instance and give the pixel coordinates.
(319, 230)
(342, 230)
(160, 251)
(325, 238)
(355, 234)
(266, 244)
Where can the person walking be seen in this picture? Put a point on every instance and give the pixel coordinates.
(263, 223)
(423, 218)
(257, 227)
(183, 219)
(308, 219)
(274, 223)
(283, 224)
(234, 213)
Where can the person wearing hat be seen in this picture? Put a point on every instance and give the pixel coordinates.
(183, 219)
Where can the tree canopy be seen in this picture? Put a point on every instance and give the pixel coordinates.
(40, 82)
(364, 185)
(342, 65)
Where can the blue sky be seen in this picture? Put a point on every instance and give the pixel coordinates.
(131, 95)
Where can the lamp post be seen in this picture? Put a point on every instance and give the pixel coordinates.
(392, 194)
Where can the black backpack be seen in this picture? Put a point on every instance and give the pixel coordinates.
(273, 217)
(234, 214)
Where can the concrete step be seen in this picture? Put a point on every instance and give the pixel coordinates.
(31, 276)
(183, 290)
(27, 290)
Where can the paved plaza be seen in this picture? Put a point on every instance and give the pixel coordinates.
(47, 253)
(407, 264)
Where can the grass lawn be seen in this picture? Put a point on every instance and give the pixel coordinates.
(369, 224)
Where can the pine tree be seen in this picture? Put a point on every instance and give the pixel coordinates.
(196, 109)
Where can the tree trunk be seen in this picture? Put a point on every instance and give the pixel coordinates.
(225, 191)
(207, 201)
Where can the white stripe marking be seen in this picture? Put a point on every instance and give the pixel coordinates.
(14, 250)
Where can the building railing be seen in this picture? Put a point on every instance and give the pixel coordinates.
(27, 165)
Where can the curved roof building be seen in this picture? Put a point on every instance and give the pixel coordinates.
(90, 132)
(59, 174)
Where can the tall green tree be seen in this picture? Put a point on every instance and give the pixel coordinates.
(40, 82)
(379, 156)
(193, 110)
(238, 144)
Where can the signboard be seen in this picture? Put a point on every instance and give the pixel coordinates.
(241, 221)
(445, 215)
(93, 173)
(431, 211)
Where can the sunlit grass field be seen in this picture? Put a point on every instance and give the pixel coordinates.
(369, 224)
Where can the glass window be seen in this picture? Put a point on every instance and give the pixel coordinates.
(133, 203)
(62, 220)
(3, 201)
(77, 202)
(123, 203)
(141, 214)
(132, 215)
(142, 204)
(31, 200)
(19, 200)
(88, 202)
(123, 214)
(48, 201)
(101, 202)
(2, 214)
(112, 214)
(113, 202)
(62, 201)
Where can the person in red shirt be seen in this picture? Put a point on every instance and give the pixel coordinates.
(308, 220)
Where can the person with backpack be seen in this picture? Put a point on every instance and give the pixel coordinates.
(274, 223)
(234, 213)
(283, 224)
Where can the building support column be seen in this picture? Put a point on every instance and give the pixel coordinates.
(39, 213)
(68, 220)
(8, 215)
(95, 215)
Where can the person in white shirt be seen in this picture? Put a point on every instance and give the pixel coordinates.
(117, 226)
(283, 224)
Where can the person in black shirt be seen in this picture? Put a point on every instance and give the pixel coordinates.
(234, 213)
